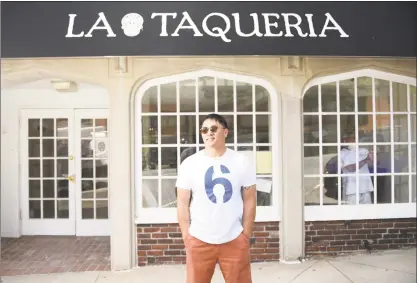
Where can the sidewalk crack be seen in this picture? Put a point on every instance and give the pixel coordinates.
(340, 272)
(292, 280)
(385, 268)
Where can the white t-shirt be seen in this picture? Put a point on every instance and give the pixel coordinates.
(348, 157)
(216, 208)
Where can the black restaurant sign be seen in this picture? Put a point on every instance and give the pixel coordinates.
(76, 29)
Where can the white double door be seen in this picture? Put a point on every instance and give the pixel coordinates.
(64, 172)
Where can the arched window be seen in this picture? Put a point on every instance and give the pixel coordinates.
(360, 146)
(169, 114)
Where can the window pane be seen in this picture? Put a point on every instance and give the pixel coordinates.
(383, 128)
(328, 97)
(311, 191)
(311, 129)
(330, 159)
(261, 99)
(187, 96)
(231, 125)
(413, 158)
(244, 97)
(168, 97)
(401, 189)
(48, 168)
(347, 95)
(169, 161)
(149, 193)
(150, 100)
(413, 127)
(413, 188)
(364, 92)
(168, 196)
(149, 161)
(188, 129)
(263, 128)
(48, 148)
(382, 101)
(187, 152)
(206, 94)
(329, 130)
(366, 128)
(412, 98)
(264, 191)
(244, 129)
(383, 158)
(400, 158)
(311, 100)
(347, 128)
(49, 189)
(311, 160)
(330, 191)
(399, 97)
(34, 168)
(34, 189)
(225, 95)
(384, 189)
(149, 130)
(168, 129)
(400, 128)
(62, 127)
(264, 160)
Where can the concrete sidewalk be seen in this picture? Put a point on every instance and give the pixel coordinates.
(397, 266)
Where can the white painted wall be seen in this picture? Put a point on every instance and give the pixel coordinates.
(33, 95)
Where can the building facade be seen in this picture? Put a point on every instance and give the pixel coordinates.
(91, 146)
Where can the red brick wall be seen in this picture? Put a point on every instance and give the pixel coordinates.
(162, 243)
(333, 237)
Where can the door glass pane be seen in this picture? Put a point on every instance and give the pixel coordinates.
(364, 90)
(62, 168)
(399, 97)
(87, 209)
(328, 97)
(382, 94)
(48, 189)
(245, 129)
(87, 189)
(149, 193)
(48, 209)
(150, 100)
(261, 99)
(34, 148)
(86, 128)
(61, 148)
(62, 127)
(62, 188)
(168, 129)
(34, 128)
(168, 196)
(48, 148)
(48, 168)
(347, 95)
(169, 161)
(34, 168)
(263, 134)
(102, 209)
(34, 209)
(62, 209)
(101, 168)
(87, 169)
(187, 129)
(102, 189)
(48, 127)
(34, 189)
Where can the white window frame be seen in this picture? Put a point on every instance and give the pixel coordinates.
(169, 215)
(361, 211)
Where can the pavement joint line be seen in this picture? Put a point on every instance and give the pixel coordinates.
(292, 280)
(340, 271)
(386, 268)
(98, 275)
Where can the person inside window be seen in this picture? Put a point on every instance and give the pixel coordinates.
(349, 159)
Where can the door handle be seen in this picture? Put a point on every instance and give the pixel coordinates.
(71, 178)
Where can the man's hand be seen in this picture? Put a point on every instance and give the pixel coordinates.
(183, 211)
(249, 209)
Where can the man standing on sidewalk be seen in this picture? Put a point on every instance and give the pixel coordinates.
(217, 224)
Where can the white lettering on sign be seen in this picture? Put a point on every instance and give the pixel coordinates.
(217, 25)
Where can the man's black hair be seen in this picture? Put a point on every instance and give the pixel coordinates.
(216, 117)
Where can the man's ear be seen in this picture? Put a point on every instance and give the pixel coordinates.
(226, 132)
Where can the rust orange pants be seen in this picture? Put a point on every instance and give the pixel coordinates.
(233, 258)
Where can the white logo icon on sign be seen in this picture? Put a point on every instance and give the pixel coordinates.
(132, 24)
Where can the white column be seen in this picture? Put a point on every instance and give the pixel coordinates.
(292, 205)
(122, 241)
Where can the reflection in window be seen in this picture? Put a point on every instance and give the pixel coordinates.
(359, 142)
(170, 131)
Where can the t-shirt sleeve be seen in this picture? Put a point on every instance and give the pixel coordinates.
(249, 173)
(183, 179)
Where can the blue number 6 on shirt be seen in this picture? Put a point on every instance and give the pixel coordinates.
(210, 183)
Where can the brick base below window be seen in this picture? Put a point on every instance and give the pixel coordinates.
(334, 237)
(162, 243)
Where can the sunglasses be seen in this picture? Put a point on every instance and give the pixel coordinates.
(213, 129)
